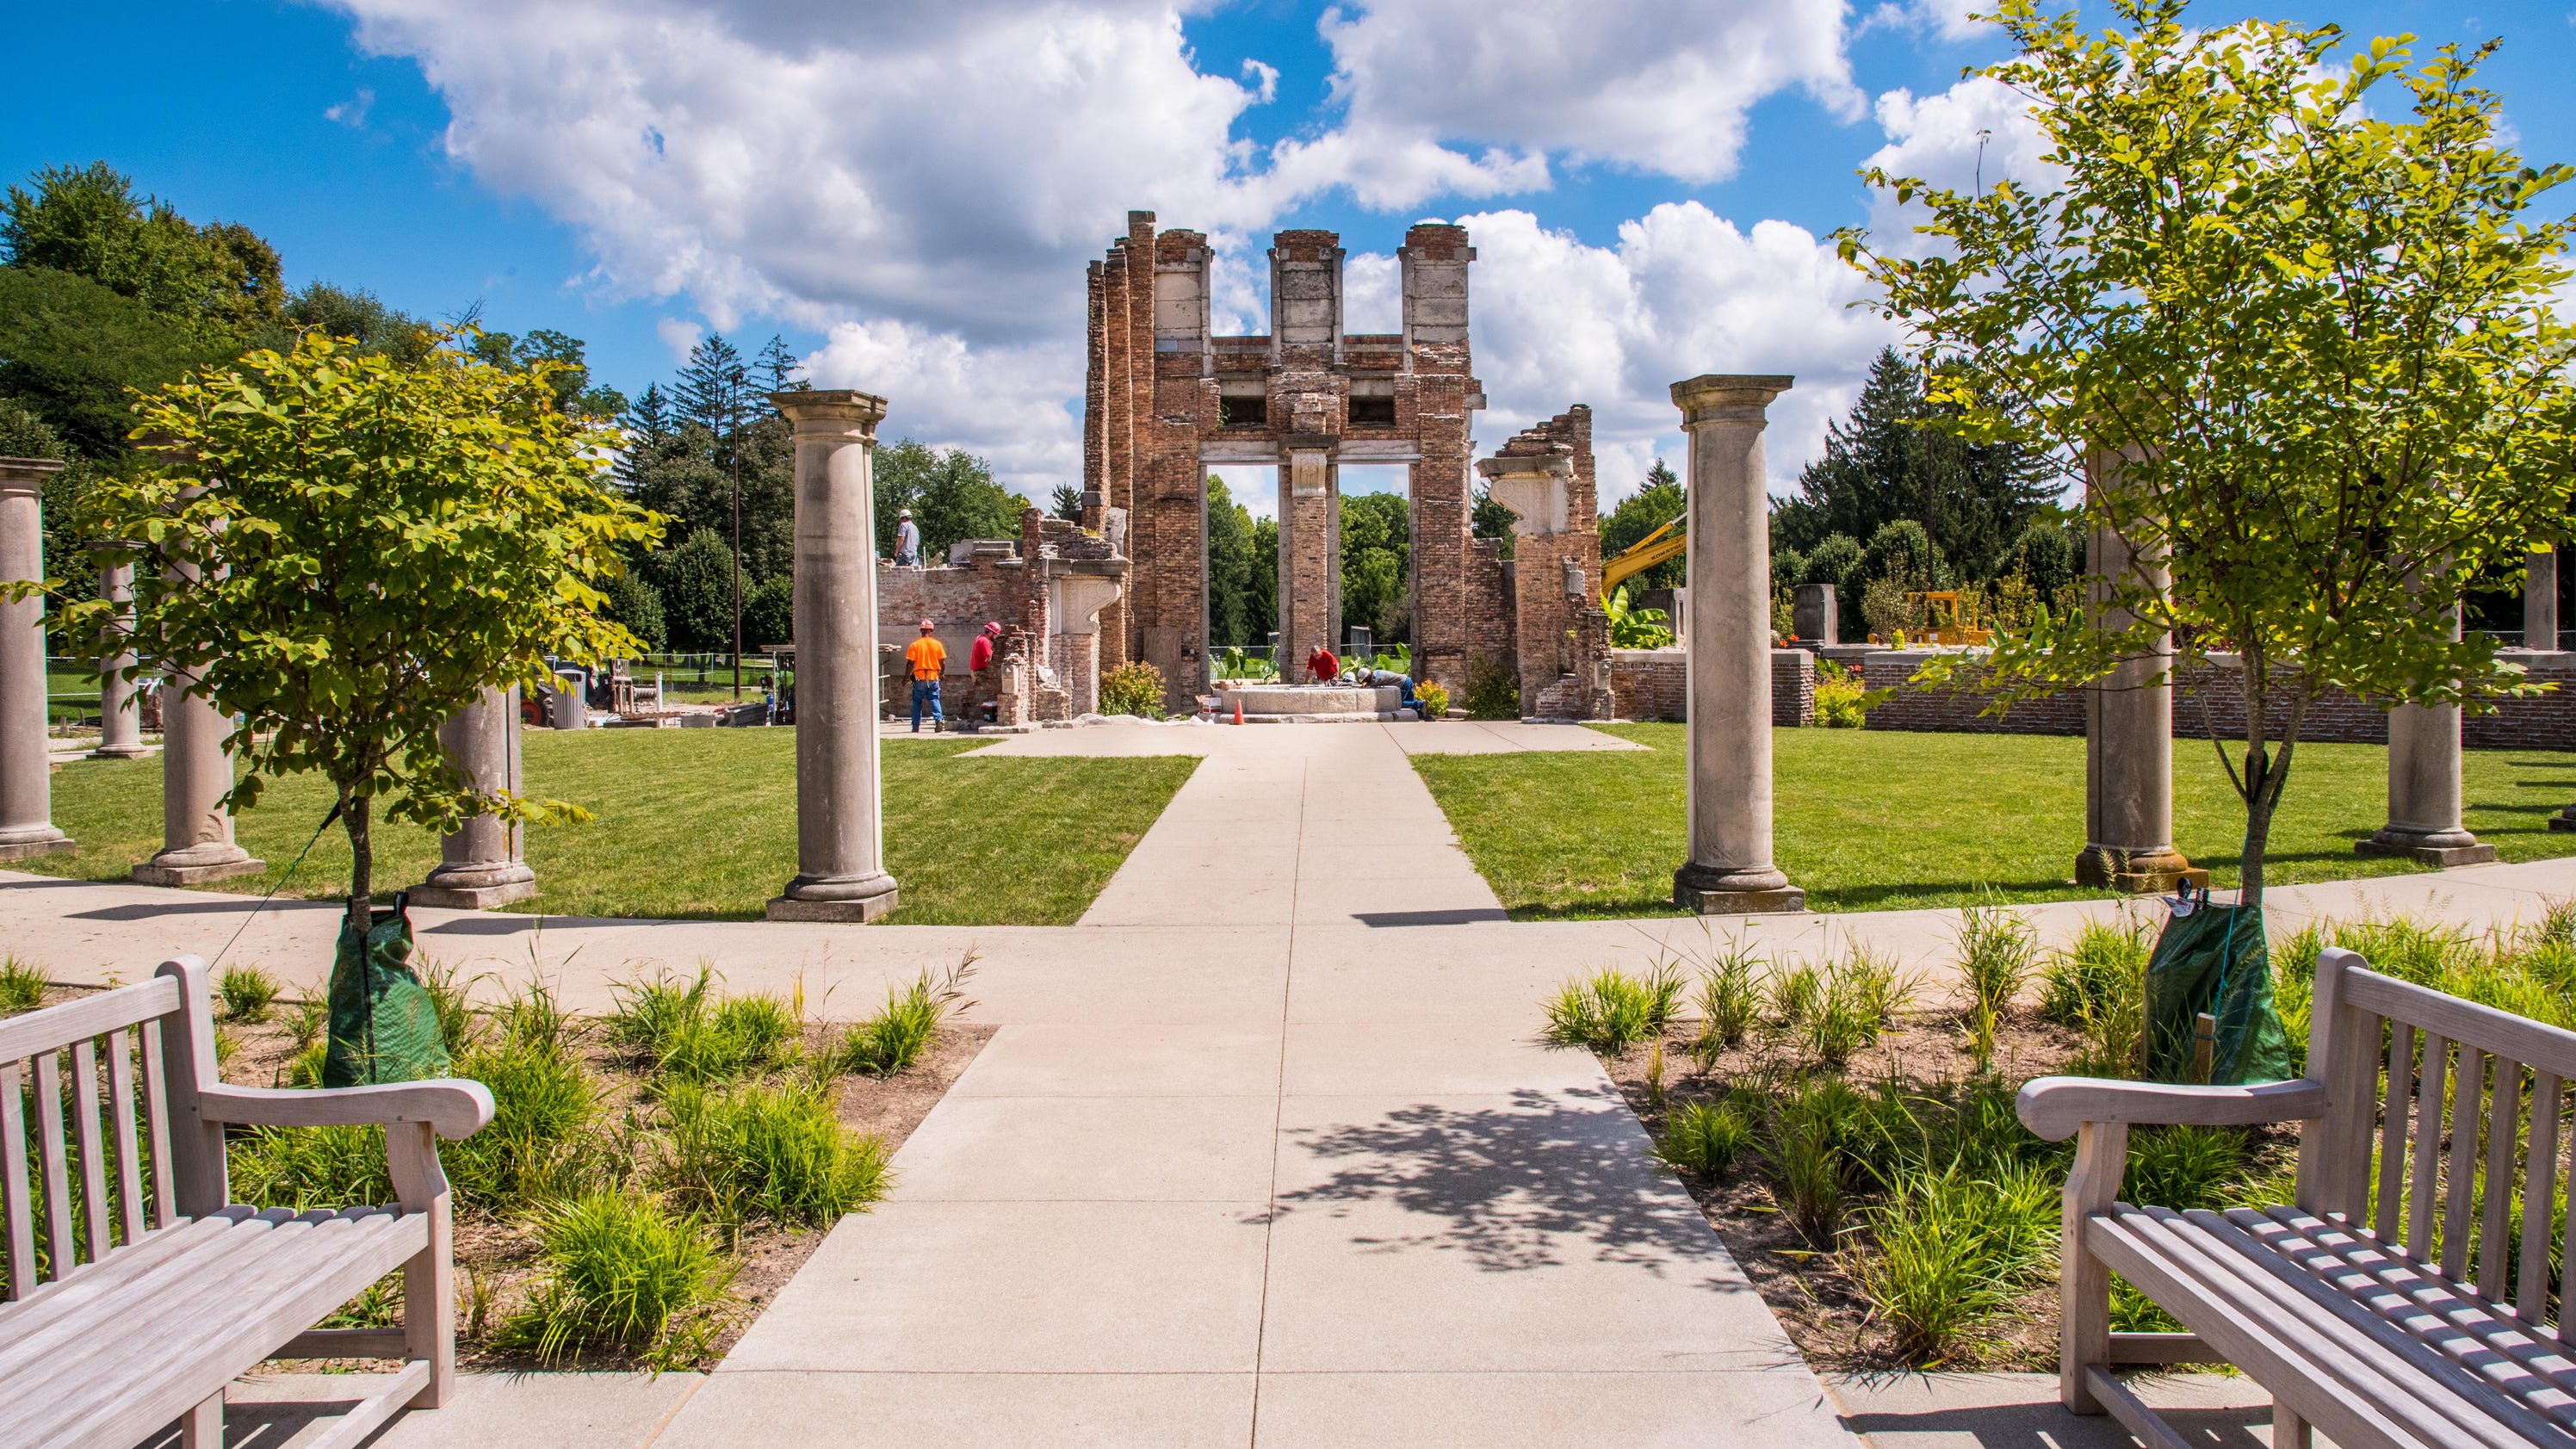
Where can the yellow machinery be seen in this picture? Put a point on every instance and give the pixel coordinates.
(1644, 554)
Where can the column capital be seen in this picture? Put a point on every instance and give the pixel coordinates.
(837, 412)
(1715, 397)
(25, 475)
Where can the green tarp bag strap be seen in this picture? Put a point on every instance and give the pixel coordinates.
(384, 1022)
(2214, 959)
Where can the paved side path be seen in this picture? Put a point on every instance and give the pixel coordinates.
(1357, 1206)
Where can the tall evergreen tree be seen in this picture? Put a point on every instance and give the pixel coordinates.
(1882, 465)
(779, 370)
(713, 386)
(648, 418)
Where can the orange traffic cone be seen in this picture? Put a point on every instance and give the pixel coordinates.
(1238, 711)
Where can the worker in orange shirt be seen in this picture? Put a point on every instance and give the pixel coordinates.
(928, 657)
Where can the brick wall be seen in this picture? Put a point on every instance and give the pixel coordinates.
(1655, 684)
(2210, 698)
(1485, 592)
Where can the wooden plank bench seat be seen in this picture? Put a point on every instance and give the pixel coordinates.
(136, 1291)
(2407, 1298)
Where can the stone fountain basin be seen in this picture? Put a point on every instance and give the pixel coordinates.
(1309, 701)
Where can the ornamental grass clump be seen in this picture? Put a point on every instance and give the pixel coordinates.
(617, 1270)
(1947, 1250)
(1704, 1137)
(1997, 952)
(648, 1013)
(248, 993)
(2097, 984)
(1611, 1011)
(777, 1154)
(1729, 1003)
(22, 986)
(894, 1039)
(542, 1100)
(308, 1167)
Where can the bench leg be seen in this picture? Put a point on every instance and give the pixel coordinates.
(2084, 1281)
(2289, 1431)
(429, 1279)
(202, 1427)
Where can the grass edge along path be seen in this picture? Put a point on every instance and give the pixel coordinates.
(1884, 820)
(700, 824)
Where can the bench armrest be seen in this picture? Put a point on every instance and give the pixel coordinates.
(2053, 1107)
(453, 1108)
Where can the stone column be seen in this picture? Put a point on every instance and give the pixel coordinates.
(485, 863)
(1730, 867)
(840, 826)
(120, 715)
(2540, 602)
(2128, 728)
(26, 783)
(2424, 788)
(196, 774)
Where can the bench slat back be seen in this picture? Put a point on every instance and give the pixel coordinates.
(2447, 1143)
(85, 1159)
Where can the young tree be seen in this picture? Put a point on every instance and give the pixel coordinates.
(2312, 323)
(356, 550)
(1065, 502)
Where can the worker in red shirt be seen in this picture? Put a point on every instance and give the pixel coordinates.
(1321, 666)
(981, 683)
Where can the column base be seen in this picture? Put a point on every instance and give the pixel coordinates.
(860, 898)
(27, 845)
(196, 865)
(475, 888)
(2428, 847)
(2564, 819)
(123, 752)
(2136, 872)
(1716, 891)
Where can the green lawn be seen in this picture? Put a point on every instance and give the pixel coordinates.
(1873, 820)
(702, 823)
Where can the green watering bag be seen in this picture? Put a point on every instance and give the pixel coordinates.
(384, 1026)
(2214, 959)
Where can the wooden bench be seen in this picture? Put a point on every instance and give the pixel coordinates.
(2406, 1297)
(154, 1290)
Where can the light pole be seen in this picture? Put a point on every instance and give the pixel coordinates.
(736, 394)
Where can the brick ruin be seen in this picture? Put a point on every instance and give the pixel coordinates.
(1166, 399)
(1051, 590)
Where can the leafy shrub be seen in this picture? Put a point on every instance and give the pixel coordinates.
(775, 1153)
(248, 993)
(1842, 701)
(1704, 1136)
(1492, 691)
(622, 1271)
(1612, 1011)
(1134, 687)
(1433, 698)
(22, 986)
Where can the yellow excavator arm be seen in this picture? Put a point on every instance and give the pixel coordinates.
(1644, 554)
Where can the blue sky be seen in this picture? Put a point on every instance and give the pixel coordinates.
(908, 193)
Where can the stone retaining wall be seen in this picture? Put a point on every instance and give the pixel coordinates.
(1655, 684)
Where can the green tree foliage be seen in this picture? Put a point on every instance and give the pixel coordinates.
(714, 388)
(951, 493)
(635, 604)
(1240, 610)
(1839, 561)
(1901, 551)
(360, 317)
(769, 612)
(1659, 501)
(696, 580)
(1261, 609)
(365, 547)
(74, 351)
(2316, 319)
(2048, 555)
(218, 283)
(1377, 550)
(1066, 502)
(1489, 519)
(1889, 460)
(567, 371)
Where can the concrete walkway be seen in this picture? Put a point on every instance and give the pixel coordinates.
(1264, 1152)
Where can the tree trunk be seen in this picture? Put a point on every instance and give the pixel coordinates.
(362, 862)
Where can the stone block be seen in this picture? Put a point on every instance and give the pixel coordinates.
(2439, 855)
(163, 873)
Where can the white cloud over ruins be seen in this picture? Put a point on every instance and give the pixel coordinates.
(923, 185)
